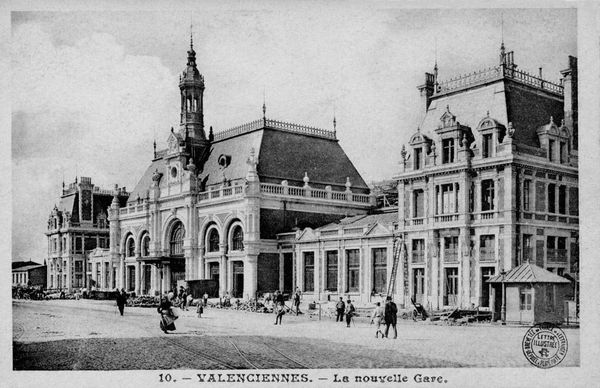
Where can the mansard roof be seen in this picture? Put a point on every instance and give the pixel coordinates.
(505, 101)
(284, 152)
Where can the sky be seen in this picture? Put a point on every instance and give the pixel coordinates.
(90, 91)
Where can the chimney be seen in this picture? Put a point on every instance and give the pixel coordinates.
(569, 82)
(426, 91)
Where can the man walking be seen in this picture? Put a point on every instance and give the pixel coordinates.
(390, 316)
(121, 300)
(350, 312)
(376, 318)
(279, 306)
(340, 306)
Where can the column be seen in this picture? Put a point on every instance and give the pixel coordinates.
(222, 275)
(465, 268)
(229, 264)
(250, 276)
(69, 274)
(166, 279)
(401, 203)
(281, 271)
(138, 278)
(153, 280)
(343, 278)
(143, 278)
(201, 263)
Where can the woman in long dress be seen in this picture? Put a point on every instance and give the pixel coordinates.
(167, 318)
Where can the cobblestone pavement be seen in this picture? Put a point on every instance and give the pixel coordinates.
(85, 334)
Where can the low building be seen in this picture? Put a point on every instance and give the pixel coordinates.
(29, 275)
(529, 294)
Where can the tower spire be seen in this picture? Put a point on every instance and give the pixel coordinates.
(502, 49)
(334, 122)
(264, 108)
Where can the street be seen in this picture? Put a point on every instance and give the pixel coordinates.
(91, 335)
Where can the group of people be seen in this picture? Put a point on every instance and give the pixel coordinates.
(387, 315)
(279, 307)
(345, 309)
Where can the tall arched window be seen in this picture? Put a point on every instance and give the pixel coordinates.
(176, 243)
(213, 240)
(146, 245)
(130, 247)
(237, 239)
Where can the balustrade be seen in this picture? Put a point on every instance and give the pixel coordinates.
(492, 73)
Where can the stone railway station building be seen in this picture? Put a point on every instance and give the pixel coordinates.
(488, 180)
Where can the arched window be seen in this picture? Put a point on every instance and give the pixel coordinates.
(146, 245)
(237, 239)
(176, 243)
(130, 247)
(213, 240)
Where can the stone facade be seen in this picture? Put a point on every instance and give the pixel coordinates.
(78, 224)
(210, 207)
(489, 180)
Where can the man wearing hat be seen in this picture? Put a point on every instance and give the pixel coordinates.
(389, 316)
(340, 307)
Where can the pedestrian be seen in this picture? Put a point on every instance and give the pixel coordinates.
(171, 295)
(340, 307)
(350, 312)
(297, 302)
(377, 318)
(167, 318)
(183, 300)
(279, 307)
(205, 297)
(199, 309)
(190, 299)
(121, 300)
(390, 316)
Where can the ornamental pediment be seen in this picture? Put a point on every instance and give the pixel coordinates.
(377, 229)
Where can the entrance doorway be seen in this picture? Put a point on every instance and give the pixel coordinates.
(288, 275)
(131, 277)
(238, 279)
(486, 273)
(147, 279)
(213, 272)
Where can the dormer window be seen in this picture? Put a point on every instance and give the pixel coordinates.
(551, 148)
(447, 151)
(487, 146)
(418, 161)
(563, 152)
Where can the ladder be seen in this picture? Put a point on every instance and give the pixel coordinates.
(396, 251)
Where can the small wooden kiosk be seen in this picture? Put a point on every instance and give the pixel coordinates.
(528, 294)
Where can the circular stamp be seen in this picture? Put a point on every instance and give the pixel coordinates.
(545, 345)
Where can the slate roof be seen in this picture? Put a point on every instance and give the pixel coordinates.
(282, 155)
(363, 220)
(27, 268)
(505, 100)
(528, 273)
